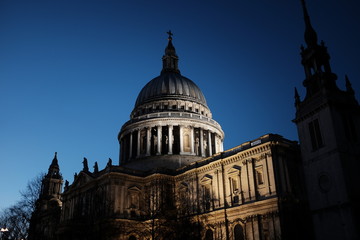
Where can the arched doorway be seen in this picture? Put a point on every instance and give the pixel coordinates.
(238, 232)
(209, 235)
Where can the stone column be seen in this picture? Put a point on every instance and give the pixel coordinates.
(256, 227)
(249, 229)
(209, 143)
(271, 177)
(131, 142)
(159, 131)
(245, 181)
(181, 139)
(215, 150)
(252, 180)
(192, 140)
(138, 144)
(170, 130)
(148, 141)
(202, 142)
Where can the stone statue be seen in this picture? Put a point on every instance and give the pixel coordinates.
(66, 184)
(155, 143)
(85, 165)
(96, 167)
(197, 146)
(109, 163)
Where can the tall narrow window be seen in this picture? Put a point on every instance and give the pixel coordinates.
(238, 232)
(235, 185)
(315, 135)
(209, 235)
(207, 197)
(350, 130)
(259, 175)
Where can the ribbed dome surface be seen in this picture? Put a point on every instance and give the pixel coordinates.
(170, 85)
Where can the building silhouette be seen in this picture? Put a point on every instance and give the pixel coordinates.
(175, 181)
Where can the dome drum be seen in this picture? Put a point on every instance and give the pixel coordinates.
(171, 138)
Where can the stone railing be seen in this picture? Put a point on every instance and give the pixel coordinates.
(172, 115)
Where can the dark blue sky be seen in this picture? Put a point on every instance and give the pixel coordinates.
(70, 71)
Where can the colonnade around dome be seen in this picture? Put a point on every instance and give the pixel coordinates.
(170, 139)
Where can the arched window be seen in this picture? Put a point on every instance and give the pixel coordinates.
(209, 235)
(132, 237)
(238, 232)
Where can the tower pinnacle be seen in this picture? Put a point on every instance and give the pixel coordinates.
(54, 170)
(310, 34)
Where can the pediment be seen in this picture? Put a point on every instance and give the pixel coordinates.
(234, 170)
(183, 185)
(206, 179)
(134, 188)
(82, 179)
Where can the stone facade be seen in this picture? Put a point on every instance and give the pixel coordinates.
(175, 181)
(243, 190)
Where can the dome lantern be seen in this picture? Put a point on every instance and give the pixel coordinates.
(170, 59)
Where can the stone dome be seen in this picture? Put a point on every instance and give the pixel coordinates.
(170, 85)
(171, 125)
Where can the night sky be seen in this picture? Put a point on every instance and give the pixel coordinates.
(70, 71)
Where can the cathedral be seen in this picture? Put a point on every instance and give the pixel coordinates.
(174, 180)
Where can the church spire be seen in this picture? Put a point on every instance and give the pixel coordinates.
(316, 61)
(170, 59)
(54, 170)
(349, 88)
(310, 34)
(52, 181)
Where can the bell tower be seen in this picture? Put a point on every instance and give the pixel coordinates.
(328, 124)
(45, 218)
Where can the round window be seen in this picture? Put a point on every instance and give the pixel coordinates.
(324, 182)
